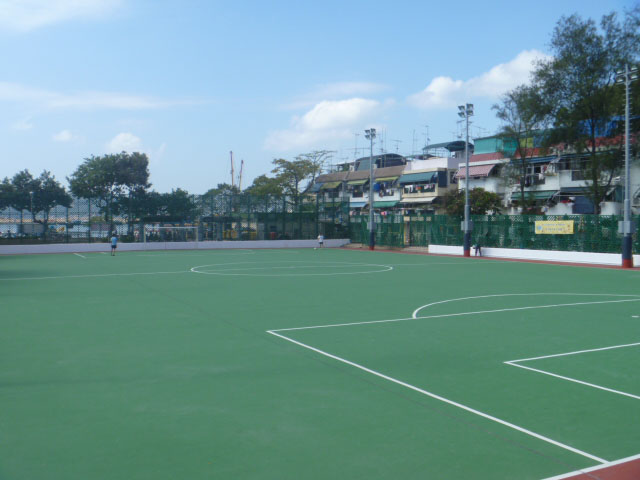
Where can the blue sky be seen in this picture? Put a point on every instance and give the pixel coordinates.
(188, 81)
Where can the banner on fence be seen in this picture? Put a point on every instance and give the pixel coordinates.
(554, 227)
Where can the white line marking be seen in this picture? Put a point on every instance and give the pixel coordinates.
(415, 312)
(575, 353)
(278, 265)
(82, 256)
(599, 387)
(103, 253)
(593, 469)
(91, 275)
(514, 363)
(444, 315)
(442, 399)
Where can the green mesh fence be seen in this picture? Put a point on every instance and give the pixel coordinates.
(592, 233)
(221, 217)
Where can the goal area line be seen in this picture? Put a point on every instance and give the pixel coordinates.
(280, 334)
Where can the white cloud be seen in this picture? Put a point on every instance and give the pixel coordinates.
(62, 136)
(17, 93)
(445, 92)
(335, 91)
(124, 142)
(327, 120)
(27, 15)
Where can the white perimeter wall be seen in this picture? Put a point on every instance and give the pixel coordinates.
(128, 247)
(544, 255)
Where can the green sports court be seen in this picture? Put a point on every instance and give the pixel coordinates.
(314, 364)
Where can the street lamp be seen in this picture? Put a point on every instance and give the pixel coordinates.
(31, 197)
(626, 226)
(466, 111)
(370, 135)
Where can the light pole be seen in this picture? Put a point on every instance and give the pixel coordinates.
(466, 111)
(32, 215)
(626, 226)
(370, 135)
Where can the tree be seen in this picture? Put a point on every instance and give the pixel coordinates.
(292, 174)
(179, 204)
(578, 81)
(7, 191)
(318, 159)
(525, 117)
(222, 189)
(47, 194)
(23, 185)
(264, 185)
(110, 178)
(35, 194)
(481, 202)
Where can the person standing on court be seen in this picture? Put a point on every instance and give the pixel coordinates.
(114, 244)
(321, 240)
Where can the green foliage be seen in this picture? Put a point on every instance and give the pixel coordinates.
(110, 178)
(525, 116)
(291, 174)
(481, 202)
(579, 82)
(179, 204)
(35, 194)
(48, 193)
(222, 189)
(264, 185)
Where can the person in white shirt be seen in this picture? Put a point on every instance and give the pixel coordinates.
(321, 240)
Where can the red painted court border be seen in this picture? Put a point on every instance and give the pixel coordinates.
(624, 469)
(546, 262)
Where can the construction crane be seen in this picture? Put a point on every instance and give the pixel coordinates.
(240, 175)
(232, 170)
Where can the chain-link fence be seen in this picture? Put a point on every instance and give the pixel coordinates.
(221, 217)
(592, 233)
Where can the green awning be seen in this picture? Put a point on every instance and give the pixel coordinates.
(535, 195)
(358, 182)
(385, 179)
(418, 177)
(330, 185)
(385, 204)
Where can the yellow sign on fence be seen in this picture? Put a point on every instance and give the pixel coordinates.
(554, 227)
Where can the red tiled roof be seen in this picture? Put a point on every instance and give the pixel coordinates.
(475, 171)
(483, 157)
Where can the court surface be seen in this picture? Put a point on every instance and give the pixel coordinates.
(315, 364)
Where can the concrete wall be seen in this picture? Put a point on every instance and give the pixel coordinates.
(544, 255)
(128, 247)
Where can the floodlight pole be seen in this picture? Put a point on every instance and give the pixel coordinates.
(465, 111)
(370, 135)
(626, 227)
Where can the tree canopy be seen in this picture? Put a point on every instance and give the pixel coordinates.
(578, 82)
(481, 202)
(110, 177)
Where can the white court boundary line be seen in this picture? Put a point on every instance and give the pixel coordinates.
(516, 363)
(82, 256)
(442, 399)
(634, 298)
(594, 469)
(279, 266)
